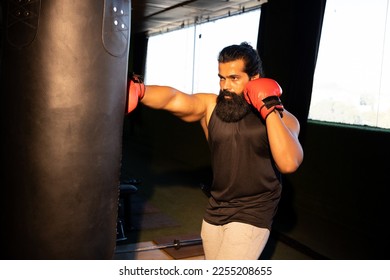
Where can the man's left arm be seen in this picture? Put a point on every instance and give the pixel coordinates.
(282, 127)
(284, 143)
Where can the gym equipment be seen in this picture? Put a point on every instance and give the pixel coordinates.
(177, 244)
(64, 82)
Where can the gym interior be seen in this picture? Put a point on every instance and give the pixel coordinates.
(61, 197)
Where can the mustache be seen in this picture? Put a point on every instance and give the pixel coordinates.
(226, 93)
(230, 96)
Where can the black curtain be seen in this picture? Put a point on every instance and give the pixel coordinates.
(288, 42)
(138, 49)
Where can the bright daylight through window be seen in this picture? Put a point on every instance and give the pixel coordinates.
(187, 58)
(351, 82)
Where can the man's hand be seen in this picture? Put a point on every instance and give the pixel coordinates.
(136, 92)
(263, 94)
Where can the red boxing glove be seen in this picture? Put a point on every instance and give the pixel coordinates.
(263, 94)
(136, 92)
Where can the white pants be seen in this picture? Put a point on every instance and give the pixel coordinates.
(233, 241)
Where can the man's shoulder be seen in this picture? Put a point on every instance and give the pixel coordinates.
(210, 96)
(209, 100)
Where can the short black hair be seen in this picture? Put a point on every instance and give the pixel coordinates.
(244, 51)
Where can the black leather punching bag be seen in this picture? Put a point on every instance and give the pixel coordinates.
(63, 87)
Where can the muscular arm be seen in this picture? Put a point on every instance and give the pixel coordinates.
(188, 107)
(263, 94)
(283, 138)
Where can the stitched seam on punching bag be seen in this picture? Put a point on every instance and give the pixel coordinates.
(116, 26)
(22, 22)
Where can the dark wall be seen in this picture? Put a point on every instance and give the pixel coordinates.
(336, 204)
(165, 135)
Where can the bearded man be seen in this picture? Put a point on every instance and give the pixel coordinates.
(252, 139)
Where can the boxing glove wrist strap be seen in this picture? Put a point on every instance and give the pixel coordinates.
(137, 80)
(271, 103)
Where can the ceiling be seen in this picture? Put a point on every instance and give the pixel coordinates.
(156, 16)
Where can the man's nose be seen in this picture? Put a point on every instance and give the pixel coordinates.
(226, 85)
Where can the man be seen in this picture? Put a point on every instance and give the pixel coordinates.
(252, 141)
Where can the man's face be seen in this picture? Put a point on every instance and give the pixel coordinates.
(232, 106)
(232, 77)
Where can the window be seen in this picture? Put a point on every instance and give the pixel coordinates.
(351, 81)
(187, 58)
(169, 59)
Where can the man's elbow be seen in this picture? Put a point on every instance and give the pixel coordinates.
(290, 166)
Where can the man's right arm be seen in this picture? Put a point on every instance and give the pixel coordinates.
(188, 107)
(185, 106)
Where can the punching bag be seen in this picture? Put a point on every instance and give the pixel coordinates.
(64, 81)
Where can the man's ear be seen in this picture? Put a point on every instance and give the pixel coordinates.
(255, 77)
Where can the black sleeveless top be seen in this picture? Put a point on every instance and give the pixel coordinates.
(246, 184)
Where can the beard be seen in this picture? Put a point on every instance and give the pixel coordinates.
(233, 108)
